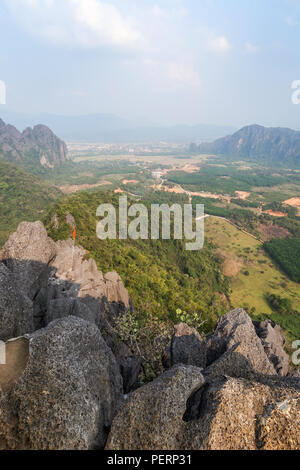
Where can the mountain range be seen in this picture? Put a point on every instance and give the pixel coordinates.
(103, 127)
(33, 148)
(270, 146)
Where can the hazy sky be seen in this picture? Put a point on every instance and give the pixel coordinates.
(165, 61)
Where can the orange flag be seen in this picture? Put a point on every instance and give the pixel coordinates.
(74, 233)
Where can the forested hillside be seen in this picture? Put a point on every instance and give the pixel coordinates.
(22, 197)
(161, 276)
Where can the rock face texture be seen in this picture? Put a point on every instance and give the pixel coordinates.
(68, 394)
(59, 279)
(37, 146)
(222, 414)
(187, 347)
(152, 417)
(236, 414)
(70, 265)
(236, 328)
(16, 310)
(27, 255)
(232, 363)
(130, 367)
(273, 341)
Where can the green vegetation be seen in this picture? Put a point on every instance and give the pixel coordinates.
(279, 207)
(292, 225)
(286, 253)
(280, 304)
(87, 172)
(167, 283)
(226, 179)
(22, 197)
(161, 276)
(245, 203)
(284, 314)
(241, 217)
(241, 253)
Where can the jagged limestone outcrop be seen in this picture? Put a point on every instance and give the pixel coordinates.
(236, 328)
(68, 393)
(37, 146)
(223, 413)
(61, 282)
(27, 255)
(187, 347)
(273, 341)
(16, 309)
(152, 417)
(244, 403)
(70, 265)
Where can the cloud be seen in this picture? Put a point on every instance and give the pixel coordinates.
(171, 73)
(183, 74)
(175, 12)
(218, 43)
(251, 48)
(290, 21)
(83, 23)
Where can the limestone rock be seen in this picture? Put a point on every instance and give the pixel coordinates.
(68, 393)
(273, 341)
(55, 221)
(70, 219)
(16, 310)
(223, 414)
(130, 367)
(68, 306)
(70, 265)
(27, 254)
(152, 417)
(232, 363)
(187, 347)
(37, 146)
(236, 414)
(295, 373)
(237, 328)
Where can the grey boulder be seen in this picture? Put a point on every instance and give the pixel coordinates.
(179, 412)
(16, 310)
(236, 328)
(273, 341)
(68, 393)
(152, 417)
(187, 347)
(27, 255)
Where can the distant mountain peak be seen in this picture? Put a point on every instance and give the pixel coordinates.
(37, 146)
(267, 145)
